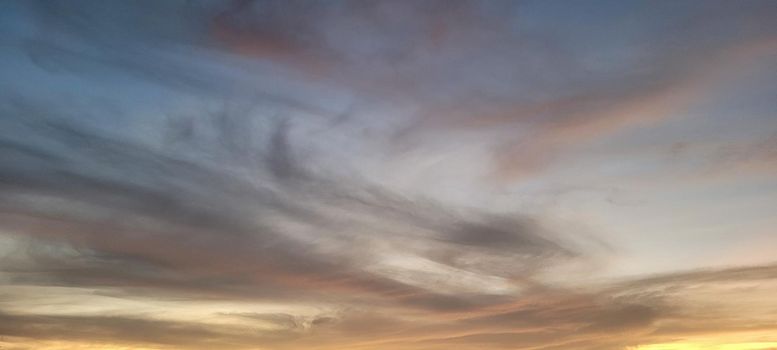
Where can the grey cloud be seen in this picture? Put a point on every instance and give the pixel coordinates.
(198, 225)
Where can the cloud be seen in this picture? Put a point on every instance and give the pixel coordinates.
(125, 330)
(193, 153)
(181, 221)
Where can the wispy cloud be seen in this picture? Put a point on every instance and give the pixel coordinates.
(207, 175)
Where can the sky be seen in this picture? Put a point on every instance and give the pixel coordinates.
(388, 175)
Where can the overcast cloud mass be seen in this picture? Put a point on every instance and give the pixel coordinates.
(404, 175)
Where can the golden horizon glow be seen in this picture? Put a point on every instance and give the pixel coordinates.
(708, 346)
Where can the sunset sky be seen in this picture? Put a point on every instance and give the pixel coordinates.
(388, 175)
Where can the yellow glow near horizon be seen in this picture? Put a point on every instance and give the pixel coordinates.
(700, 346)
(74, 345)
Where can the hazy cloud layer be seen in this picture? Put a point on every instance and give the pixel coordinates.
(387, 174)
